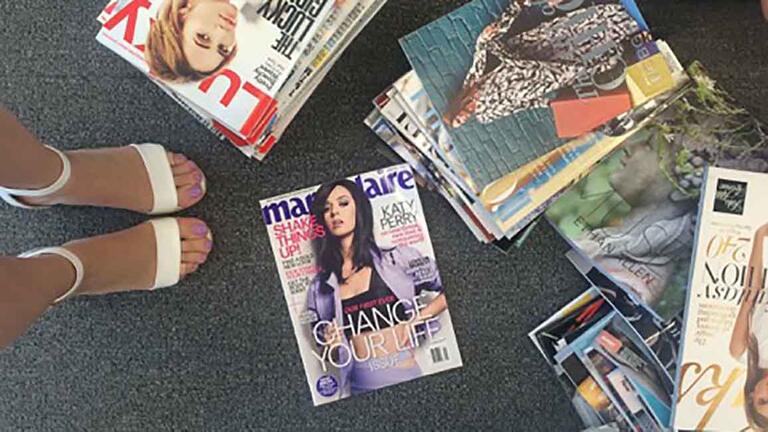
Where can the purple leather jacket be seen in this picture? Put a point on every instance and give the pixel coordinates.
(405, 271)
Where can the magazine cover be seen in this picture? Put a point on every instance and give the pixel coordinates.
(512, 79)
(634, 214)
(722, 383)
(359, 277)
(229, 57)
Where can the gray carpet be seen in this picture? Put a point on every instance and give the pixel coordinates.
(218, 352)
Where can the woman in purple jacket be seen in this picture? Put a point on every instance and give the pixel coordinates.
(366, 301)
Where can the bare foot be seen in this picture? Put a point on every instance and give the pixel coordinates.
(117, 178)
(126, 260)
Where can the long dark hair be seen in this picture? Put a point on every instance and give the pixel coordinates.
(457, 105)
(328, 247)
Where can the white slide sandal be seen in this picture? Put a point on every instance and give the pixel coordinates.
(155, 159)
(168, 255)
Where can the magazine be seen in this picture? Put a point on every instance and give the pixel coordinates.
(356, 15)
(662, 337)
(232, 80)
(634, 214)
(387, 104)
(514, 80)
(519, 197)
(379, 316)
(422, 169)
(721, 380)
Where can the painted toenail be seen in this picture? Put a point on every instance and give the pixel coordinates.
(196, 192)
(208, 245)
(198, 177)
(201, 229)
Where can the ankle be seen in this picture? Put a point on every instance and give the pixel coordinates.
(52, 274)
(37, 170)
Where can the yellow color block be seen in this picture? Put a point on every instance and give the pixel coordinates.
(648, 78)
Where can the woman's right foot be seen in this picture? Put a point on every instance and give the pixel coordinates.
(127, 260)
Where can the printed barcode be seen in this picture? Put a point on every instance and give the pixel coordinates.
(439, 354)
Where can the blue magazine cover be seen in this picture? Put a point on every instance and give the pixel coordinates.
(502, 74)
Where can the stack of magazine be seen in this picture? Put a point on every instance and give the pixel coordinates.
(573, 110)
(510, 103)
(243, 68)
(633, 223)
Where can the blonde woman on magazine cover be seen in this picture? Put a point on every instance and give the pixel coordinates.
(144, 178)
(750, 335)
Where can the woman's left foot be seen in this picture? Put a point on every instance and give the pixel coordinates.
(118, 178)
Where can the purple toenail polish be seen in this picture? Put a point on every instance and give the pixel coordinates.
(201, 229)
(198, 177)
(208, 245)
(196, 192)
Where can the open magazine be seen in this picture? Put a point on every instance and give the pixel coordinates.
(615, 360)
(360, 280)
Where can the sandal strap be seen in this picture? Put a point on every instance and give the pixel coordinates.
(8, 194)
(168, 247)
(69, 256)
(155, 158)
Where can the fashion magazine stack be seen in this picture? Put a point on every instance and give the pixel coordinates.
(633, 222)
(722, 374)
(360, 280)
(509, 103)
(243, 68)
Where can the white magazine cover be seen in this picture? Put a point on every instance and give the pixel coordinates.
(359, 276)
(296, 92)
(228, 57)
(722, 382)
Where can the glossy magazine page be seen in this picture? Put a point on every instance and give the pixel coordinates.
(360, 280)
